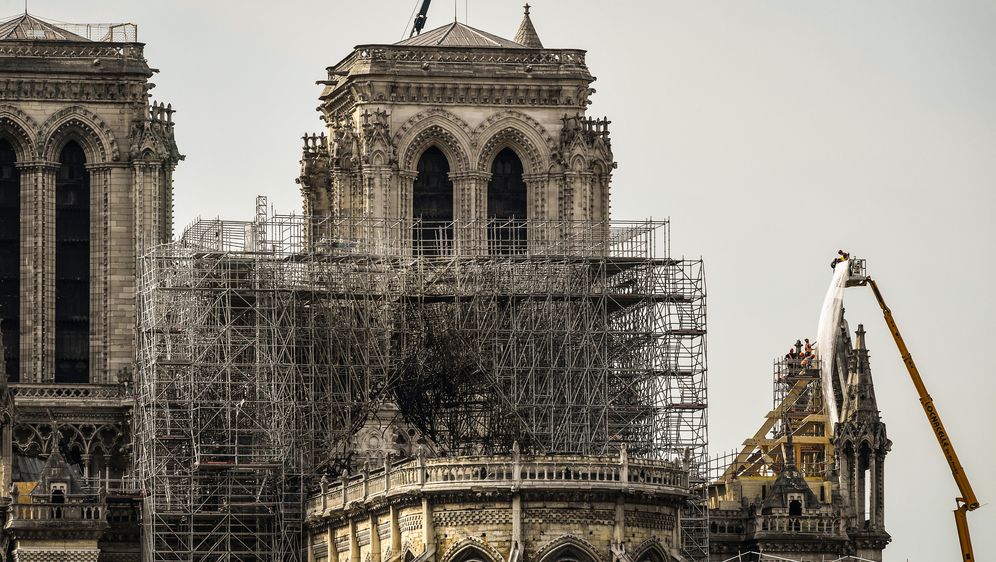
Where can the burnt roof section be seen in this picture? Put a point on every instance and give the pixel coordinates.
(26, 26)
(457, 34)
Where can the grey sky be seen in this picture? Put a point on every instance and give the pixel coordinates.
(771, 132)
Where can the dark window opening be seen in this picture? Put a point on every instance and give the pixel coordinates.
(432, 205)
(10, 261)
(795, 508)
(72, 267)
(507, 205)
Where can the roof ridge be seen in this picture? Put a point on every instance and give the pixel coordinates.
(483, 34)
(449, 30)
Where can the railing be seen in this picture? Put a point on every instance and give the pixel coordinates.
(59, 391)
(118, 486)
(103, 32)
(283, 235)
(404, 53)
(554, 472)
(805, 524)
(726, 522)
(69, 49)
(53, 511)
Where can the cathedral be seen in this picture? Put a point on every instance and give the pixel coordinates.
(453, 354)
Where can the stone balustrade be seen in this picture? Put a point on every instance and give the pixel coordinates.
(61, 391)
(402, 53)
(416, 476)
(816, 524)
(727, 522)
(52, 511)
(72, 49)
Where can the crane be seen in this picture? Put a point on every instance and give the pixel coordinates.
(420, 18)
(966, 501)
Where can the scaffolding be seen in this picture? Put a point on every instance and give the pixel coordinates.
(266, 344)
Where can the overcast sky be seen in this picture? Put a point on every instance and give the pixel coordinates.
(772, 133)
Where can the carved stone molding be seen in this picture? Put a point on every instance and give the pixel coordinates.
(549, 551)
(72, 90)
(97, 136)
(20, 128)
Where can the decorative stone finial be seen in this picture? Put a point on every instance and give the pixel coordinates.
(527, 8)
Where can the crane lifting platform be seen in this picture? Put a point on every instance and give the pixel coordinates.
(966, 501)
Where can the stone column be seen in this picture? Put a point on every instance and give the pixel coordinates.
(6, 454)
(516, 525)
(845, 477)
(395, 533)
(859, 490)
(354, 543)
(330, 551)
(428, 532)
(536, 198)
(310, 545)
(470, 208)
(873, 487)
(406, 181)
(100, 246)
(339, 203)
(879, 491)
(374, 539)
(37, 270)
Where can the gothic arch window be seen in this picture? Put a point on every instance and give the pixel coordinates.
(569, 551)
(72, 266)
(506, 205)
(10, 260)
(432, 205)
(471, 554)
(654, 553)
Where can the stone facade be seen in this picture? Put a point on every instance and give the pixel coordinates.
(93, 163)
(500, 509)
(384, 105)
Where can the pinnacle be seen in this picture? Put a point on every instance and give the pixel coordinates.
(527, 36)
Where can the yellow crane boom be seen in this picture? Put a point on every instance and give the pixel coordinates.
(967, 501)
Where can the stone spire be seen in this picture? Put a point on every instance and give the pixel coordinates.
(527, 36)
(859, 397)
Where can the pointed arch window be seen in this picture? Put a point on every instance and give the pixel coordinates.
(507, 205)
(10, 261)
(72, 266)
(432, 205)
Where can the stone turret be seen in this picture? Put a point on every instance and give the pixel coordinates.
(459, 126)
(862, 444)
(527, 36)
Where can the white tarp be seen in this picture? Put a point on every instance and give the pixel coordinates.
(826, 336)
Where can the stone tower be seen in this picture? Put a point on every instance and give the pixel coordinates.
(862, 445)
(86, 163)
(458, 124)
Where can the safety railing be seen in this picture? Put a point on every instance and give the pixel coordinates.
(283, 236)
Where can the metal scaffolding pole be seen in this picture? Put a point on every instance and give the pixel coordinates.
(266, 345)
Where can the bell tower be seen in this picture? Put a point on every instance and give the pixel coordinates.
(460, 137)
(86, 165)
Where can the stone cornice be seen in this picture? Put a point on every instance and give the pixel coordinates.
(93, 89)
(37, 165)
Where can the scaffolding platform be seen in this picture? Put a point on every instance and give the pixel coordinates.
(276, 339)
